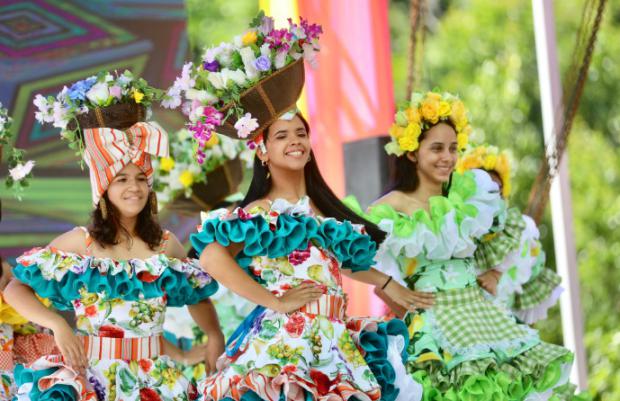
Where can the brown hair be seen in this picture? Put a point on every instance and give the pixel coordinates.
(105, 231)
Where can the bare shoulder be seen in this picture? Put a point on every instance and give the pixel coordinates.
(259, 203)
(394, 199)
(73, 241)
(174, 248)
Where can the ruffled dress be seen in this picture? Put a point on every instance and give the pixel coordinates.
(21, 341)
(527, 288)
(316, 352)
(120, 308)
(465, 347)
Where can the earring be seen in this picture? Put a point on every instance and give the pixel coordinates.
(268, 174)
(264, 163)
(153, 199)
(309, 158)
(104, 208)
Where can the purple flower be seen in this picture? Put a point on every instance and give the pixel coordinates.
(278, 37)
(263, 63)
(212, 66)
(312, 30)
(266, 25)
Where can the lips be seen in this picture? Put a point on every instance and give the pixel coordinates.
(295, 152)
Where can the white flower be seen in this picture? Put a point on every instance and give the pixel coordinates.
(229, 147)
(248, 58)
(237, 76)
(211, 54)
(125, 79)
(20, 171)
(108, 78)
(201, 95)
(185, 81)
(280, 60)
(171, 101)
(59, 116)
(238, 41)
(245, 125)
(217, 80)
(265, 50)
(196, 113)
(226, 50)
(99, 93)
(43, 115)
(310, 54)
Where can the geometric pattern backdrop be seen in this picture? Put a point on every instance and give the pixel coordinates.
(46, 44)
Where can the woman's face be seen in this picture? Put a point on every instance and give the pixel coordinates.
(437, 155)
(129, 191)
(287, 144)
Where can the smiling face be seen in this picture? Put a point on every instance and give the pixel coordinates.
(129, 191)
(287, 144)
(437, 155)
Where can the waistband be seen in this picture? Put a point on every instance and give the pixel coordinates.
(332, 306)
(122, 348)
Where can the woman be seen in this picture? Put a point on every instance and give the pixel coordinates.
(463, 347)
(118, 276)
(510, 260)
(285, 250)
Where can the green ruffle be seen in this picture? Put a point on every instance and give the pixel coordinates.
(60, 276)
(537, 289)
(491, 251)
(356, 251)
(484, 380)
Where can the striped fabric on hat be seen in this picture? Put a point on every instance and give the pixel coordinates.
(108, 151)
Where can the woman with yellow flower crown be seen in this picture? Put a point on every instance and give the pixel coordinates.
(510, 260)
(119, 274)
(463, 347)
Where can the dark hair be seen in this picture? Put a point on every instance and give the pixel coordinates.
(105, 231)
(404, 172)
(319, 192)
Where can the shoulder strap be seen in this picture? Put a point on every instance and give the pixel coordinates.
(164, 241)
(88, 240)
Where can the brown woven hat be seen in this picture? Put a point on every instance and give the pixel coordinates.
(269, 98)
(118, 116)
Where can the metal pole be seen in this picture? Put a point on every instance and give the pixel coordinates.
(560, 196)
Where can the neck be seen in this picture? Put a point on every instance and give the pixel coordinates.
(129, 224)
(428, 188)
(287, 184)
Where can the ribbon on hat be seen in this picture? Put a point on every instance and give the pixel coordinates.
(108, 150)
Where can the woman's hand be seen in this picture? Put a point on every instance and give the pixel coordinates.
(408, 299)
(70, 346)
(489, 280)
(214, 349)
(297, 297)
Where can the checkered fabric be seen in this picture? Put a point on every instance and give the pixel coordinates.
(466, 320)
(493, 250)
(537, 290)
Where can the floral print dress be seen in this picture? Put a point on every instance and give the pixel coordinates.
(119, 308)
(317, 352)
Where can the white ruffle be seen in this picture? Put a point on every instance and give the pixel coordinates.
(409, 389)
(539, 312)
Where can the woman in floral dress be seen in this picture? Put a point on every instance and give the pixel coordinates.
(118, 276)
(464, 347)
(286, 250)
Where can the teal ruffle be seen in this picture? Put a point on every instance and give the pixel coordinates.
(58, 392)
(375, 345)
(179, 287)
(356, 251)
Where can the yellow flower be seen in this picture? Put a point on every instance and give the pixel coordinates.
(249, 38)
(490, 162)
(186, 178)
(413, 115)
(413, 130)
(430, 110)
(461, 140)
(433, 96)
(166, 164)
(138, 96)
(214, 140)
(396, 131)
(458, 115)
(444, 109)
(413, 264)
(408, 143)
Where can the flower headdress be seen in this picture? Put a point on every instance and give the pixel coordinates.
(242, 87)
(423, 111)
(85, 99)
(19, 171)
(488, 158)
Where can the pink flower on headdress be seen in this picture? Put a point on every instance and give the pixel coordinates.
(204, 129)
(246, 125)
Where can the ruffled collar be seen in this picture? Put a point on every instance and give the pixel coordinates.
(300, 208)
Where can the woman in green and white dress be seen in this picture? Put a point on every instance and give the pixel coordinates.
(464, 347)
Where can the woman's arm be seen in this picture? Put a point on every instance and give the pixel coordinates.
(403, 296)
(220, 264)
(205, 316)
(21, 297)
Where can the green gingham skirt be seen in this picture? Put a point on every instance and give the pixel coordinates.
(467, 323)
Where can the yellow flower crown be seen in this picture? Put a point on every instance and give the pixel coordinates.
(423, 112)
(488, 158)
